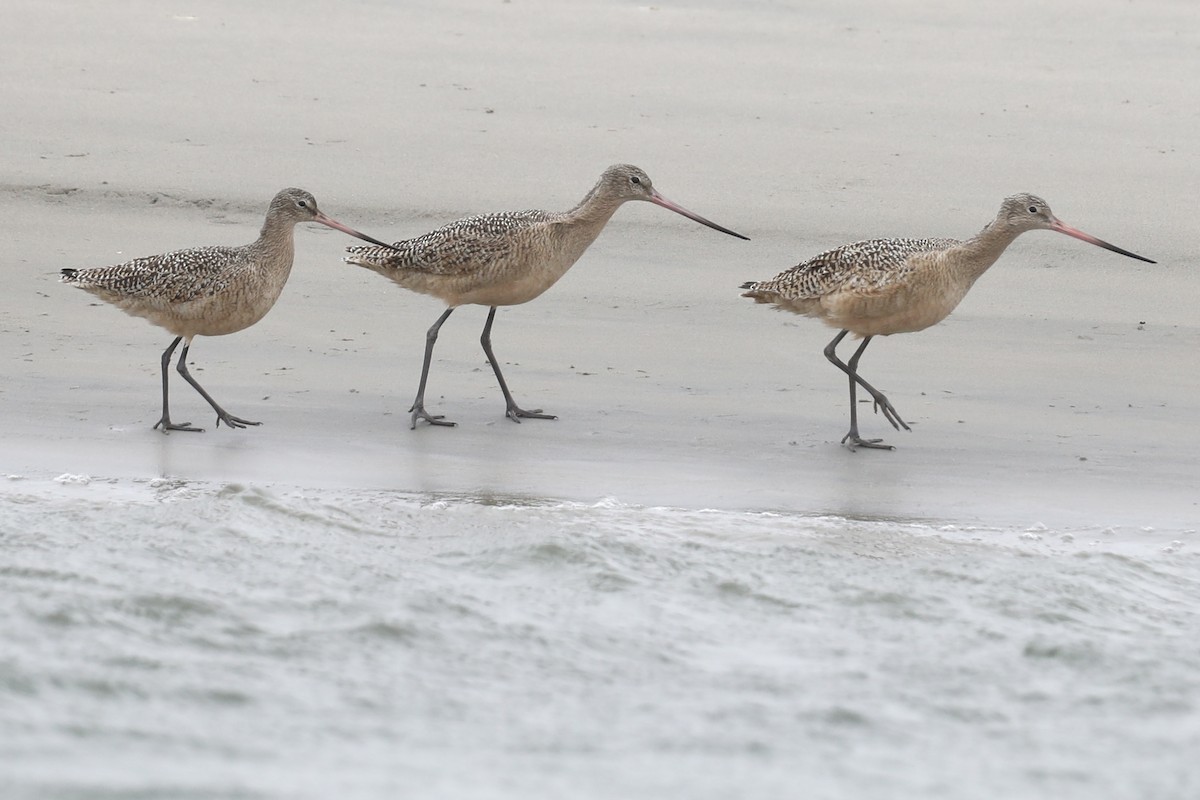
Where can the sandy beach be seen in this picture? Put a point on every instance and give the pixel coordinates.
(1061, 396)
(1060, 390)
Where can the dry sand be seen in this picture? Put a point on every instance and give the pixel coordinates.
(1063, 391)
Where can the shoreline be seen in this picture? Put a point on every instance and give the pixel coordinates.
(1056, 394)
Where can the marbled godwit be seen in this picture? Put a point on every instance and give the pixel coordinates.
(506, 259)
(885, 286)
(208, 291)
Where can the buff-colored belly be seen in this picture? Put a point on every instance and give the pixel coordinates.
(898, 309)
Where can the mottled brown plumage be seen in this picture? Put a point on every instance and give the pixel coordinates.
(884, 286)
(495, 259)
(506, 259)
(208, 291)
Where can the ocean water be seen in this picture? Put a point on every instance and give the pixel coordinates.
(172, 639)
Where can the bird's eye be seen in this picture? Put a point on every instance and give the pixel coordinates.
(635, 179)
(1033, 209)
(304, 204)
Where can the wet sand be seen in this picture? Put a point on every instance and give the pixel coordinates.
(1062, 392)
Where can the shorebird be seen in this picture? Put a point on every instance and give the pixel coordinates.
(506, 259)
(884, 286)
(208, 291)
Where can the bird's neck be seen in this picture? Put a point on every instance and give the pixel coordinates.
(595, 210)
(276, 233)
(276, 245)
(984, 248)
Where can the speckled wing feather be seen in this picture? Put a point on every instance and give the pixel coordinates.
(170, 278)
(861, 266)
(460, 247)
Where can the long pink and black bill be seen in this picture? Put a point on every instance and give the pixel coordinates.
(333, 223)
(658, 199)
(1058, 225)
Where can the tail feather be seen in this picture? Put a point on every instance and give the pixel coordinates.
(68, 275)
(369, 256)
(759, 292)
(371, 250)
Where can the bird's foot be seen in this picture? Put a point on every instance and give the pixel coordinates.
(232, 421)
(889, 412)
(168, 426)
(419, 412)
(516, 413)
(852, 441)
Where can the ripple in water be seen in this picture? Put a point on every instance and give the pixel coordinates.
(168, 639)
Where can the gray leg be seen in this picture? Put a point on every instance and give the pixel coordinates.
(852, 439)
(165, 419)
(513, 412)
(418, 406)
(222, 414)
